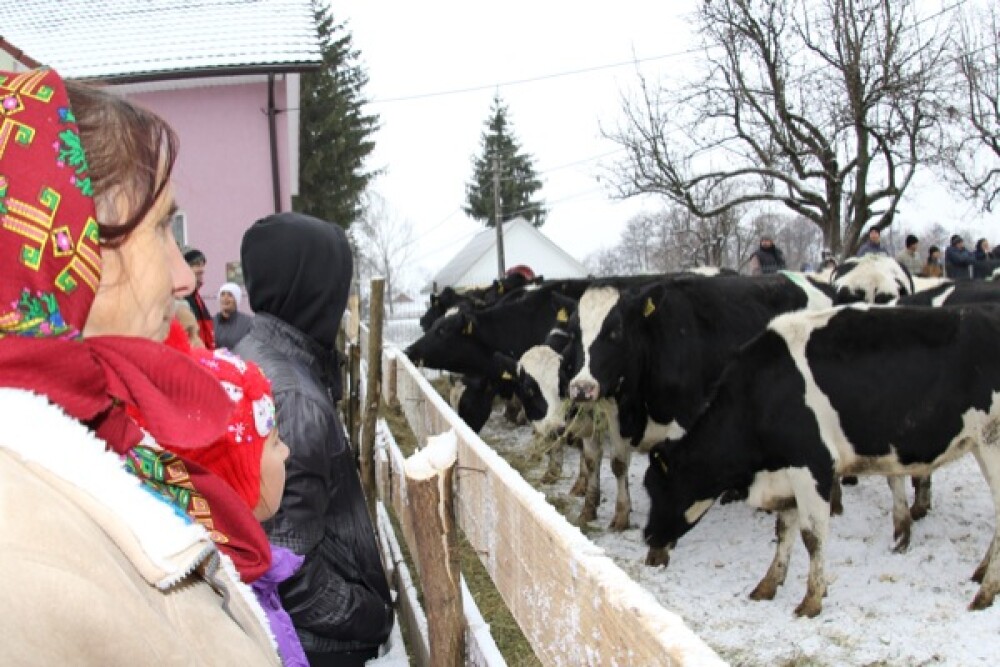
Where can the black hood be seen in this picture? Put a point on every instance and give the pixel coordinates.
(298, 269)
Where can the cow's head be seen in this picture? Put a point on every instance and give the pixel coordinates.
(598, 344)
(536, 382)
(672, 509)
(450, 344)
(870, 279)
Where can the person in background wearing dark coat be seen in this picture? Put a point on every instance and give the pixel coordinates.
(298, 272)
(206, 331)
(982, 252)
(957, 260)
(230, 324)
(873, 246)
(768, 258)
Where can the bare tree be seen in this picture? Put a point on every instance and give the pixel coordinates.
(383, 240)
(822, 106)
(974, 156)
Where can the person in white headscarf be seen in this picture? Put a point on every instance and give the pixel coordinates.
(230, 324)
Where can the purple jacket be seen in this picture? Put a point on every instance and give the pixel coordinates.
(284, 563)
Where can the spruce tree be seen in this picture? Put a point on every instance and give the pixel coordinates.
(335, 135)
(518, 181)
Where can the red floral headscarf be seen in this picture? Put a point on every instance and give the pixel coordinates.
(50, 268)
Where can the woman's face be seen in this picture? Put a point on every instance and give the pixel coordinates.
(272, 476)
(140, 279)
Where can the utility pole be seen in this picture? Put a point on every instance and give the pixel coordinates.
(498, 216)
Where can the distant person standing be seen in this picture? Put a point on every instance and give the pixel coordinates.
(196, 260)
(910, 256)
(230, 324)
(958, 260)
(873, 246)
(933, 268)
(768, 258)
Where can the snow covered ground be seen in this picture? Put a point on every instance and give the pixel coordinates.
(881, 608)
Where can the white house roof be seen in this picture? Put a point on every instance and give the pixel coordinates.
(142, 39)
(484, 243)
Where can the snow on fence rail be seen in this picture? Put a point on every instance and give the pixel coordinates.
(574, 605)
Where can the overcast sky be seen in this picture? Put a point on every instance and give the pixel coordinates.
(561, 67)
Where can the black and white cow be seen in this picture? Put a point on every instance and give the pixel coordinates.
(850, 390)
(474, 297)
(463, 341)
(654, 351)
(870, 279)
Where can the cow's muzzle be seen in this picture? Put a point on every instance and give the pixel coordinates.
(583, 390)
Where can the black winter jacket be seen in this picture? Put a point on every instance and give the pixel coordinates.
(339, 600)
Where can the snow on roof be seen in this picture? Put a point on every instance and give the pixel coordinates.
(143, 39)
(486, 242)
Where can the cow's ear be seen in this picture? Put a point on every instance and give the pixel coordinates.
(468, 323)
(564, 307)
(435, 300)
(507, 366)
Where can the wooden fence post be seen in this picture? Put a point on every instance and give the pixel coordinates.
(431, 504)
(373, 395)
(354, 405)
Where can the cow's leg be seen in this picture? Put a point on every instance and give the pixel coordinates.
(921, 497)
(554, 471)
(621, 454)
(784, 528)
(901, 520)
(814, 526)
(580, 485)
(988, 572)
(592, 453)
(836, 497)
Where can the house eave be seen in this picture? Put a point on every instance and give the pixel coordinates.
(202, 73)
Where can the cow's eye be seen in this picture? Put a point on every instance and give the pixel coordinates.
(615, 335)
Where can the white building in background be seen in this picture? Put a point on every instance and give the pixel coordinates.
(476, 263)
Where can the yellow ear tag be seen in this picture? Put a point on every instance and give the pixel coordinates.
(648, 310)
(468, 329)
(562, 315)
(506, 376)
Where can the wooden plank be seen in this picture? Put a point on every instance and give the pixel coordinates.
(373, 395)
(429, 476)
(407, 604)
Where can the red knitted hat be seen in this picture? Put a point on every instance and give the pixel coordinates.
(49, 254)
(236, 456)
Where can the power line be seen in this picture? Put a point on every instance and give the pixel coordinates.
(534, 79)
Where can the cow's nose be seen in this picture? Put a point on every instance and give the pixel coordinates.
(584, 390)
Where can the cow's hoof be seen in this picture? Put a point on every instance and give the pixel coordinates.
(981, 601)
(658, 557)
(836, 509)
(765, 590)
(579, 488)
(902, 538)
(809, 608)
(587, 514)
(550, 477)
(918, 512)
(980, 572)
(619, 523)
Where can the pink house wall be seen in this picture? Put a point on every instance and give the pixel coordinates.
(222, 179)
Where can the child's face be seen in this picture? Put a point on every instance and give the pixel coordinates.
(272, 476)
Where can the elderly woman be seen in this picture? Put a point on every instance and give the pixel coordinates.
(107, 540)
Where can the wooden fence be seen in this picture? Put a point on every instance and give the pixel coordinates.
(572, 602)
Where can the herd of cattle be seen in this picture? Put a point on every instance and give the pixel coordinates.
(770, 389)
